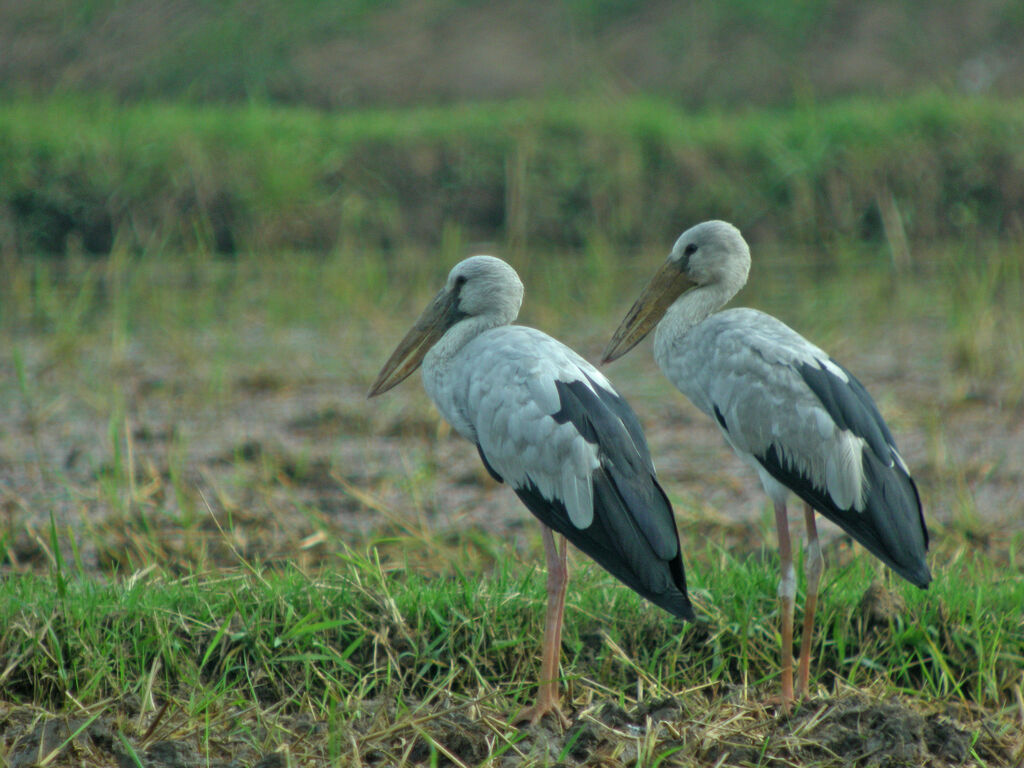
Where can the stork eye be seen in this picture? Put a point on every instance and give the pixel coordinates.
(460, 281)
(690, 249)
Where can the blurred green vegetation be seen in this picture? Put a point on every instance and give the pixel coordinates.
(84, 174)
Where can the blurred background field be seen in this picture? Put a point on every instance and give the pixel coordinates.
(216, 220)
(353, 53)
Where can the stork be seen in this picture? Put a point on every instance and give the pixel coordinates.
(551, 426)
(795, 415)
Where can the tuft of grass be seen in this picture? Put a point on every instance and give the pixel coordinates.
(267, 625)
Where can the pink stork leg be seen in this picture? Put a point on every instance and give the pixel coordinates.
(814, 564)
(787, 594)
(547, 690)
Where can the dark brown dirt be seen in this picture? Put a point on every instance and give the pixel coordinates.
(885, 734)
(844, 731)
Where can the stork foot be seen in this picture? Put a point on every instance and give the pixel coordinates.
(533, 715)
(803, 686)
(782, 702)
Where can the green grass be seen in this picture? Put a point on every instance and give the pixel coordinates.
(157, 177)
(368, 630)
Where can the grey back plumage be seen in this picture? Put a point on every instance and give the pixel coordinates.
(808, 423)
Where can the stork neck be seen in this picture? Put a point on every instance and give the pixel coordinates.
(458, 336)
(689, 310)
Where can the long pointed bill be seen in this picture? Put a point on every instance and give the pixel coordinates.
(663, 289)
(437, 318)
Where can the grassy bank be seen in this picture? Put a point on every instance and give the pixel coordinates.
(85, 174)
(378, 654)
(371, 622)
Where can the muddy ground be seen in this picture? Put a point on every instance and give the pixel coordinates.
(271, 440)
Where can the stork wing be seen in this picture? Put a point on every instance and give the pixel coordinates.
(552, 427)
(813, 427)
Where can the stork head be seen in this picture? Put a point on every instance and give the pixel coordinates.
(485, 286)
(481, 287)
(712, 253)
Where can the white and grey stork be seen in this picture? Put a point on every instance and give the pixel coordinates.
(551, 426)
(790, 411)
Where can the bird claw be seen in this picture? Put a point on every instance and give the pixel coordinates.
(786, 704)
(803, 691)
(533, 715)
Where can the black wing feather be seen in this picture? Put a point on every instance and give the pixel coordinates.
(614, 541)
(633, 534)
(621, 409)
(850, 405)
(628, 464)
